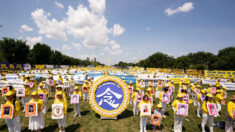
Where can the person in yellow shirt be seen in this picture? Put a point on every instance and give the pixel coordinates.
(52, 85)
(142, 86)
(67, 83)
(72, 85)
(197, 87)
(165, 90)
(60, 80)
(143, 119)
(77, 106)
(218, 99)
(4, 78)
(36, 122)
(133, 98)
(86, 93)
(200, 98)
(230, 117)
(13, 124)
(224, 93)
(43, 91)
(205, 113)
(178, 120)
(60, 88)
(158, 89)
(217, 84)
(130, 86)
(26, 98)
(60, 100)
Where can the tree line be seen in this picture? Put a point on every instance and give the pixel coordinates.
(224, 60)
(18, 52)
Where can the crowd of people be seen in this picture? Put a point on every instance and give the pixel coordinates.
(163, 92)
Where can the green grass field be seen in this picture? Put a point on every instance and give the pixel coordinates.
(91, 122)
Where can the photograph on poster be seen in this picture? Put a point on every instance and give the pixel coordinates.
(85, 89)
(42, 96)
(7, 111)
(182, 109)
(165, 97)
(31, 109)
(145, 109)
(186, 98)
(74, 99)
(156, 120)
(4, 91)
(139, 97)
(130, 90)
(213, 90)
(20, 92)
(212, 109)
(57, 111)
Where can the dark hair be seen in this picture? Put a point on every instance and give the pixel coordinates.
(145, 97)
(10, 87)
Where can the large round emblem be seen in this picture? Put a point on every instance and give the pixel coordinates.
(109, 96)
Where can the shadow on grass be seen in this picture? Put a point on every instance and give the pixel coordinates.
(97, 116)
(45, 129)
(127, 113)
(73, 127)
(3, 127)
(69, 110)
(83, 113)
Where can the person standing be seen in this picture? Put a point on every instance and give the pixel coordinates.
(77, 106)
(230, 117)
(13, 124)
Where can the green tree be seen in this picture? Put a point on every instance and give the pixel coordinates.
(40, 54)
(226, 59)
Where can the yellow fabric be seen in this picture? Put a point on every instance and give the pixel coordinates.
(17, 107)
(218, 98)
(64, 95)
(160, 97)
(204, 107)
(199, 98)
(133, 96)
(39, 102)
(60, 79)
(193, 87)
(175, 104)
(62, 101)
(13, 91)
(149, 95)
(41, 91)
(27, 92)
(230, 108)
(217, 84)
(144, 102)
(79, 93)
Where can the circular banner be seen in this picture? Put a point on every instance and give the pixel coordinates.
(109, 96)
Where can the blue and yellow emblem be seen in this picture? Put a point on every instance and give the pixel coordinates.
(109, 96)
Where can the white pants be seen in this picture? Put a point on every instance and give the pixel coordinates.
(25, 100)
(135, 108)
(229, 123)
(142, 92)
(205, 117)
(130, 99)
(218, 107)
(143, 123)
(62, 122)
(85, 96)
(178, 122)
(157, 94)
(199, 108)
(77, 109)
(163, 108)
(195, 100)
(13, 124)
(45, 108)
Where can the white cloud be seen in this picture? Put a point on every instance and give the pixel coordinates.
(25, 28)
(66, 47)
(186, 7)
(113, 52)
(59, 5)
(97, 6)
(114, 45)
(117, 30)
(147, 28)
(101, 54)
(51, 28)
(31, 41)
(77, 46)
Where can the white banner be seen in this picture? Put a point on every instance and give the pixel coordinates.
(229, 86)
(50, 66)
(27, 67)
(15, 83)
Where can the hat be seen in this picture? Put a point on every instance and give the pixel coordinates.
(218, 91)
(233, 97)
(9, 93)
(34, 93)
(130, 82)
(209, 95)
(195, 83)
(41, 85)
(138, 89)
(198, 86)
(159, 105)
(210, 85)
(76, 87)
(208, 90)
(59, 93)
(86, 81)
(179, 95)
(59, 86)
(3, 78)
(149, 89)
(224, 88)
(67, 77)
(203, 91)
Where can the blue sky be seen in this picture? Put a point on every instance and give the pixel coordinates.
(125, 30)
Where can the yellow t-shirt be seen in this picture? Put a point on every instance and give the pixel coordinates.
(64, 102)
(204, 106)
(27, 92)
(217, 84)
(41, 91)
(17, 107)
(199, 98)
(39, 102)
(230, 108)
(175, 104)
(133, 96)
(144, 102)
(79, 93)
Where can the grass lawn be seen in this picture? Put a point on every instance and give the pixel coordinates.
(91, 122)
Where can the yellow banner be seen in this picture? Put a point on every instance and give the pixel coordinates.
(39, 66)
(220, 74)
